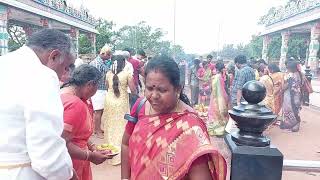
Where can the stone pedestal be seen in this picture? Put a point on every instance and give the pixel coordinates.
(252, 157)
(254, 163)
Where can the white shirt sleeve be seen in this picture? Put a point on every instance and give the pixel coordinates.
(44, 125)
(129, 68)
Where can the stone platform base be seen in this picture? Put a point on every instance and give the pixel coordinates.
(253, 163)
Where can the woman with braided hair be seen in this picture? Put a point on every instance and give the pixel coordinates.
(117, 103)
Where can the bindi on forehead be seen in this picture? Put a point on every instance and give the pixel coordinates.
(156, 86)
(153, 85)
(156, 79)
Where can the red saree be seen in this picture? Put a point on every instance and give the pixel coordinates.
(79, 122)
(165, 146)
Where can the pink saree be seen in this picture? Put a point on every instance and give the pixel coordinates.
(218, 109)
(165, 146)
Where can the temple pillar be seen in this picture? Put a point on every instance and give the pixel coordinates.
(92, 38)
(313, 61)
(284, 49)
(74, 34)
(266, 42)
(4, 36)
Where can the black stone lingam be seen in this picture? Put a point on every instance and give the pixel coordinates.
(252, 117)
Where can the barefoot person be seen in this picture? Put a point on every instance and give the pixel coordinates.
(219, 102)
(31, 112)
(102, 63)
(292, 98)
(117, 103)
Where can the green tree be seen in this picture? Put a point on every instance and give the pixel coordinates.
(106, 34)
(274, 49)
(177, 52)
(229, 51)
(17, 37)
(241, 49)
(214, 53)
(254, 48)
(85, 46)
(143, 36)
(297, 46)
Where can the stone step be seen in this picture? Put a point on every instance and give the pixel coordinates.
(301, 165)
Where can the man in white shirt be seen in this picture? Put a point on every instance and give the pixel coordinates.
(31, 112)
(102, 62)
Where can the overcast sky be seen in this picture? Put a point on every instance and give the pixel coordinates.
(197, 21)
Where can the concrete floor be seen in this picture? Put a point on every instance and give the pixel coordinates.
(303, 145)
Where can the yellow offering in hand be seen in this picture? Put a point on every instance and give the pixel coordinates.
(109, 148)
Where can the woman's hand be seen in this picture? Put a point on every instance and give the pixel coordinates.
(125, 165)
(92, 146)
(97, 157)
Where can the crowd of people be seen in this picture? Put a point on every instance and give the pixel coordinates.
(219, 87)
(135, 105)
(130, 101)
